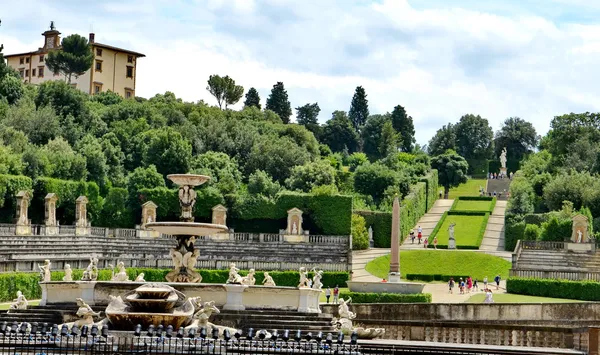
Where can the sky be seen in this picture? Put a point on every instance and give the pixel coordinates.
(440, 59)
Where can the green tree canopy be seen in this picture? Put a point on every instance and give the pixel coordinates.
(75, 57)
(278, 102)
(444, 139)
(359, 108)
(388, 143)
(308, 114)
(371, 135)
(339, 134)
(166, 149)
(223, 170)
(260, 183)
(252, 99)
(518, 136)
(403, 124)
(313, 174)
(224, 90)
(474, 137)
(452, 170)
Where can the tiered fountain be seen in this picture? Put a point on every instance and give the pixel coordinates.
(186, 232)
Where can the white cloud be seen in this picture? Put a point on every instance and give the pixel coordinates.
(439, 62)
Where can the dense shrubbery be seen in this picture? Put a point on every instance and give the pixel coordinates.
(360, 235)
(360, 297)
(28, 282)
(577, 290)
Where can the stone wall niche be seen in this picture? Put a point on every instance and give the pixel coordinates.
(148, 216)
(82, 226)
(219, 216)
(294, 232)
(50, 214)
(580, 229)
(22, 220)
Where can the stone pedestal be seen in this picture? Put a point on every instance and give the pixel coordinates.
(82, 226)
(219, 215)
(394, 277)
(503, 172)
(580, 229)
(146, 233)
(22, 221)
(309, 300)
(57, 292)
(295, 238)
(235, 298)
(50, 214)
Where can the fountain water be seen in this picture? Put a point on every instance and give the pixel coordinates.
(186, 232)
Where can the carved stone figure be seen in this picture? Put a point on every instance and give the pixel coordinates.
(85, 313)
(91, 272)
(451, 240)
(579, 236)
(317, 284)
(344, 322)
(148, 213)
(294, 228)
(303, 277)
(503, 158)
(19, 303)
(140, 277)
(234, 277)
(202, 313)
(121, 275)
(68, 273)
(45, 274)
(187, 200)
(268, 280)
(249, 279)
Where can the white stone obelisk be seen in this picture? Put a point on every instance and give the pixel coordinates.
(394, 275)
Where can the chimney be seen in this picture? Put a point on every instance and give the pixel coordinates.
(92, 37)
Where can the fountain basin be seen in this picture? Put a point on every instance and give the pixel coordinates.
(178, 317)
(188, 179)
(153, 292)
(187, 228)
(157, 305)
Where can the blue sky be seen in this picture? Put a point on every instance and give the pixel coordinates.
(439, 59)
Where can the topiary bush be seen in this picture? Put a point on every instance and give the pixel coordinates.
(514, 228)
(556, 229)
(577, 290)
(366, 297)
(360, 235)
(532, 232)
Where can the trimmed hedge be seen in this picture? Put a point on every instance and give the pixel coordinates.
(381, 223)
(514, 229)
(366, 297)
(436, 230)
(576, 290)
(434, 277)
(431, 182)
(28, 282)
(10, 185)
(474, 198)
(323, 214)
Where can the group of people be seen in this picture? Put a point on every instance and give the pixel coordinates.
(336, 294)
(494, 176)
(469, 284)
(419, 237)
(495, 194)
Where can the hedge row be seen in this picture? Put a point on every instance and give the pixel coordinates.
(323, 214)
(10, 185)
(576, 290)
(434, 277)
(480, 235)
(514, 229)
(474, 198)
(365, 297)
(28, 282)
(431, 182)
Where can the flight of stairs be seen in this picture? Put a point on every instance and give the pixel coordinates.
(276, 320)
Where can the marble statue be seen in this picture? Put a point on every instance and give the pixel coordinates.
(317, 284)
(202, 313)
(149, 219)
(370, 233)
(303, 277)
(68, 273)
(294, 228)
(503, 158)
(344, 322)
(268, 280)
(187, 200)
(451, 240)
(184, 264)
(249, 279)
(91, 272)
(85, 313)
(45, 274)
(234, 277)
(19, 303)
(189, 260)
(121, 275)
(579, 236)
(140, 277)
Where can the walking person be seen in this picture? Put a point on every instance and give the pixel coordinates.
(475, 286)
(435, 241)
(327, 293)
(425, 242)
(469, 284)
(412, 236)
(485, 283)
(451, 284)
(419, 233)
(336, 294)
(497, 280)
(488, 296)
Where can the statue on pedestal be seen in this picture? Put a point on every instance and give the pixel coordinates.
(503, 158)
(451, 240)
(234, 277)
(68, 273)
(303, 277)
(268, 281)
(91, 272)
(317, 284)
(45, 274)
(249, 279)
(121, 275)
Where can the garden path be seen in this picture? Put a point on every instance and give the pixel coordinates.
(428, 222)
(360, 258)
(493, 238)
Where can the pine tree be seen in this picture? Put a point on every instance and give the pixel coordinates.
(389, 140)
(359, 108)
(308, 114)
(278, 102)
(252, 99)
(403, 124)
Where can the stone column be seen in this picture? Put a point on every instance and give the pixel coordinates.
(22, 219)
(82, 227)
(394, 275)
(294, 232)
(50, 214)
(219, 216)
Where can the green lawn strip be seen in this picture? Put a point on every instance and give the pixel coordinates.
(465, 205)
(470, 188)
(511, 298)
(444, 262)
(4, 306)
(468, 231)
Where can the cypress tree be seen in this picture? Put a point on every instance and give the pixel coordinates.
(252, 99)
(403, 124)
(278, 102)
(359, 108)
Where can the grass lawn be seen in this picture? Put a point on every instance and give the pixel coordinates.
(4, 306)
(466, 205)
(466, 232)
(445, 262)
(470, 188)
(511, 298)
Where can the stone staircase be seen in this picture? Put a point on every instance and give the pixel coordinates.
(276, 320)
(34, 314)
(557, 260)
(428, 223)
(500, 186)
(493, 239)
